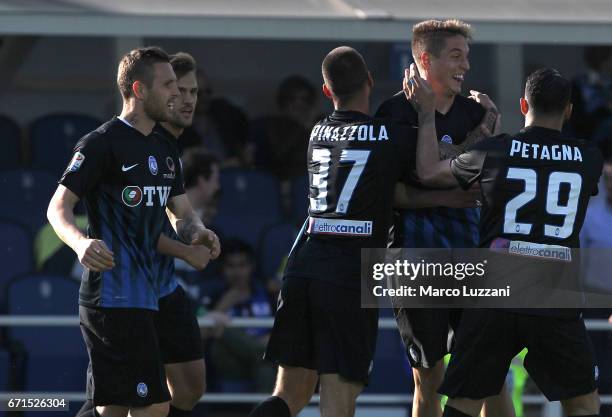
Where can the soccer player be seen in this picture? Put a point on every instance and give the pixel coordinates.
(122, 173)
(536, 186)
(320, 330)
(179, 333)
(440, 50)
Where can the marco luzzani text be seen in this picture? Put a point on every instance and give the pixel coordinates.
(424, 279)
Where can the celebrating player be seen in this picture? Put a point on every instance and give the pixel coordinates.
(440, 50)
(532, 194)
(320, 328)
(124, 175)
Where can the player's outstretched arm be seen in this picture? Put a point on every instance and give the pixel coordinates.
(189, 227)
(430, 170)
(93, 254)
(197, 256)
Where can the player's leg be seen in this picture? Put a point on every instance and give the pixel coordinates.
(561, 362)
(291, 347)
(182, 352)
(111, 411)
(583, 405)
(499, 405)
(187, 384)
(153, 410)
(338, 396)
(425, 333)
(485, 346)
(346, 340)
(426, 400)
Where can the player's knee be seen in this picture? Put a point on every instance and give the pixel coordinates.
(428, 380)
(583, 405)
(158, 410)
(189, 396)
(296, 387)
(112, 411)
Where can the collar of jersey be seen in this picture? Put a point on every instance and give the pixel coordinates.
(544, 132)
(349, 115)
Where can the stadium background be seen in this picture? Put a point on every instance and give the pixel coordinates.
(57, 74)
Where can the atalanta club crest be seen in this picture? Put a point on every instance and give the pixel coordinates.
(447, 139)
(153, 165)
(131, 195)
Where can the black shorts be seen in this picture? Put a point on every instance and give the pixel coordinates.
(428, 333)
(322, 326)
(125, 365)
(177, 328)
(559, 359)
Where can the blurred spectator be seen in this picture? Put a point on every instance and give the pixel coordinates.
(596, 244)
(218, 126)
(592, 92)
(281, 141)
(237, 354)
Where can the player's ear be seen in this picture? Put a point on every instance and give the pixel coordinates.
(326, 91)
(524, 106)
(138, 90)
(424, 61)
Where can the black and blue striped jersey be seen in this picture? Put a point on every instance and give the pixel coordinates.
(438, 227)
(125, 180)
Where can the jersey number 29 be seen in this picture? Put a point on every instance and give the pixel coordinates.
(555, 179)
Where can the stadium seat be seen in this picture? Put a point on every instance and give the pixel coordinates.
(250, 202)
(30, 193)
(275, 244)
(15, 255)
(10, 157)
(52, 139)
(299, 198)
(56, 356)
(253, 191)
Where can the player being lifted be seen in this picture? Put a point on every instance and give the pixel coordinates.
(441, 51)
(128, 178)
(534, 195)
(320, 330)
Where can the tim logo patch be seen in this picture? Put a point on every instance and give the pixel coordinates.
(131, 195)
(76, 162)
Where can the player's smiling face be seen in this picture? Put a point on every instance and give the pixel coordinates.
(160, 101)
(186, 102)
(447, 70)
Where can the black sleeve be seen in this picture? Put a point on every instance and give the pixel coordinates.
(178, 187)
(88, 165)
(467, 167)
(384, 110)
(406, 140)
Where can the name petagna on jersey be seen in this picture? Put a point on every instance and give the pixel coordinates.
(357, 132)
(545, 152)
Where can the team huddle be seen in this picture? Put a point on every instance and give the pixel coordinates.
(430, 170)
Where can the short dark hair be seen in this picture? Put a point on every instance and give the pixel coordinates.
(197, 163)
(182, 64)
(237, 247)
(344, 71)
(137, 65)
(290, 85)
(547, 91)
(430, 35)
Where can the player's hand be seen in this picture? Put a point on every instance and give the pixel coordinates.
(94, 255)
(209, 239)
(459, 198)
(418, 91)
(198, 256)
(484, 100)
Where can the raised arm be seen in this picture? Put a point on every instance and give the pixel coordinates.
(430, 170)
(93, 254)
(189, 227)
